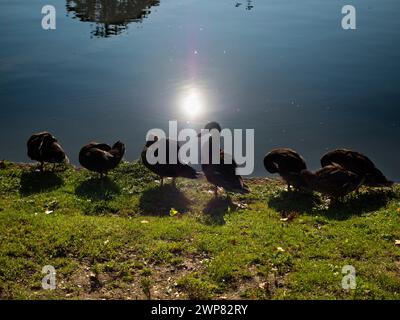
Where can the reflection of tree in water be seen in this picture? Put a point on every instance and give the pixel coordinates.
(111, 17)
(249, 4)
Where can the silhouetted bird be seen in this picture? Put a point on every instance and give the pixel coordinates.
(212, 126)
(221, 174)
(44, 147)
(332, 180)
(288, 163)
(100, 157)
(173, 168)
(359, 164)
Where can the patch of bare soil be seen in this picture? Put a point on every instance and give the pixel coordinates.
(160, 284)
(257, 283)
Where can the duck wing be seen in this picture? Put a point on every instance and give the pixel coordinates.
(224, 175)
(53, 153)
(44, 147)
(358, 163)
(348, 159)
(337, 181)
(172, 167)
(94, 158)
(36, 142)
(284, 160)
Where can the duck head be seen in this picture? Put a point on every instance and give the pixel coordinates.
(211, 126)
(120, 147)
(151, 142)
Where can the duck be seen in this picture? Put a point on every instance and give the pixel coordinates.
(332, 180)
(44, 147)
(100, 157)
(288, 163)
(222, 174)
(359, 164)
(168, 170)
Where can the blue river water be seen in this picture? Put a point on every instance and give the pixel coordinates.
(112, 70)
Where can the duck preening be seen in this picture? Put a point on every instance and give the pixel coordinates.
(100, 157)
(359, 164)
(222, 174)
(288, 163)
(171, 168)
(44, 147)
(332, 180)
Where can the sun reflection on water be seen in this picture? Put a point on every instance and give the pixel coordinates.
(192, 103)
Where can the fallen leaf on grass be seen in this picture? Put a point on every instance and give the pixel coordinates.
(49, 211)
(173, 212)
(263, 285)
(280, 249)
(240, 205)
(144, 221)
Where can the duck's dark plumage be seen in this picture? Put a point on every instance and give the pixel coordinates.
(172, 170)
(100, 157)
(224, 175)
(357, 163)
(288, 163)
(332, 180)
(44, 147)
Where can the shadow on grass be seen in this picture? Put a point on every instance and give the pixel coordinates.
(216, 208)
(36, 182)
(160, 200)
(359, 204)
(97, 189)
(293, 201)
(355, 204)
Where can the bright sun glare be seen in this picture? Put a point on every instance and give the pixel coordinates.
(192, 104)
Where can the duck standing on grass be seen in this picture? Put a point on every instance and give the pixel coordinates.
(359, 164)
(168, 169)
(100, 157)
(222, 174)
(333, 181)
(288, 163)
(44, 147)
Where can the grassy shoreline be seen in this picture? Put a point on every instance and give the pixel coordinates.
(127, 238)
